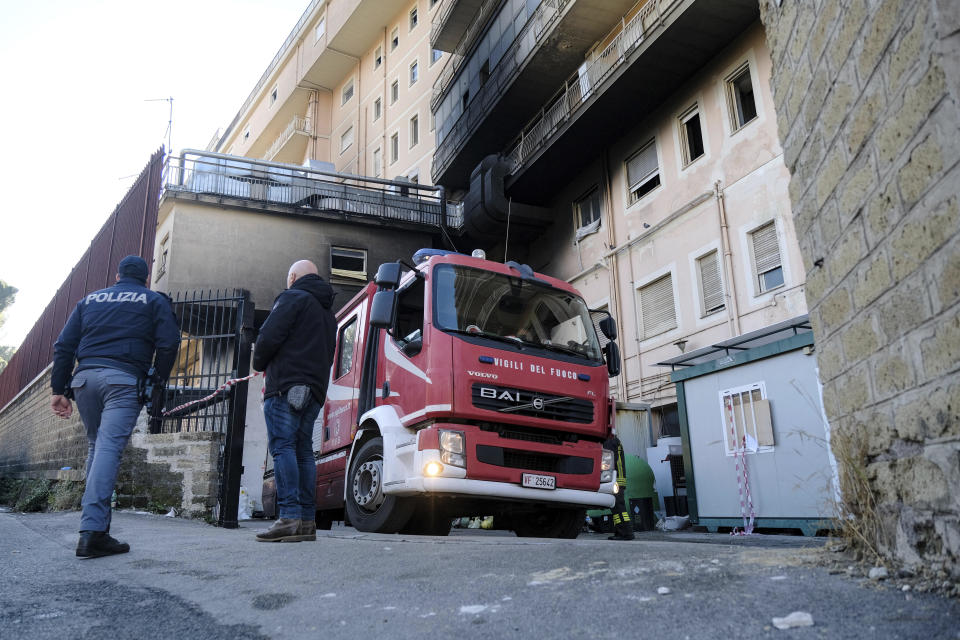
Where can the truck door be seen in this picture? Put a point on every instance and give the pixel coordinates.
(405, 360)
(339, 411)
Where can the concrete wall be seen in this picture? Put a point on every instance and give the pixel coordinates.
(169, 470)
(866, 94)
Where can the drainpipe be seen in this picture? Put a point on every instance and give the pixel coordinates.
(733, 311)
(614, 279)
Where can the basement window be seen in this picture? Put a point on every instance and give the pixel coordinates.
(348, 263)
(745, 419)
(691, 136)
(740, 99)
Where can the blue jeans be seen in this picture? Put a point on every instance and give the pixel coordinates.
(109, 404)
(290, 434)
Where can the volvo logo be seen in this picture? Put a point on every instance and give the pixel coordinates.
(538, 404)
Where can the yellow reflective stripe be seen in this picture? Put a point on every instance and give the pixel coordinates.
(616, 519)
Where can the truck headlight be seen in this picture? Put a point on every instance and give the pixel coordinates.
(452, 448)
(607, 469)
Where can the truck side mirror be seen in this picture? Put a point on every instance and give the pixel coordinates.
(609, 328)
(383, 309)
(388, 275)
(612, 354)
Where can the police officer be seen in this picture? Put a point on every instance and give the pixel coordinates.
(113, 335)
(622, 527)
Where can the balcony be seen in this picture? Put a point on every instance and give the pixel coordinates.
(244, 183)
(453, 21)
(458, 53)
(549, 46)
(291, 145)
(658, 50)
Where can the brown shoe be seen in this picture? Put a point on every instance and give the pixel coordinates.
(308, 530)
(283, 530)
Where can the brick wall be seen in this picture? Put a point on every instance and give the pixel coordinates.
(867, 95)
(172, 470)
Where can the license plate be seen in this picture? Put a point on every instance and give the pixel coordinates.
(534, 481)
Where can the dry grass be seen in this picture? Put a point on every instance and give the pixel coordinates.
(858, 518)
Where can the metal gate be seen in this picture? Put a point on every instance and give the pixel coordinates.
(216, 334)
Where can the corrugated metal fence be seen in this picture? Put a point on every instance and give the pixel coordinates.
(130, 229)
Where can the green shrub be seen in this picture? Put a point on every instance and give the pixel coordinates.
(66, 495)
(33, 496)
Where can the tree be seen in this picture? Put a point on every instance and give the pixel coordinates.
(8, 294)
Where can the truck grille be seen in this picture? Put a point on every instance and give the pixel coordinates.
(530, 461)
(536, 404)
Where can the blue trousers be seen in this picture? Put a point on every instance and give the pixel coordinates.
(108, 403)
(290, 438)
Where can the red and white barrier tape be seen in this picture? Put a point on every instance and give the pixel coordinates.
(226, 385)
(743, 484)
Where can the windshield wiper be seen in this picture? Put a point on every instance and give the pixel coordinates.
(517, 342)
(563, 349)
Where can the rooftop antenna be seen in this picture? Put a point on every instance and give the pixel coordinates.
(169, 132)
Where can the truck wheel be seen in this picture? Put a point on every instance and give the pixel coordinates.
(368, 507)
(550, 523)
(427, 521)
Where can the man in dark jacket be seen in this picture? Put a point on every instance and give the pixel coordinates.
(113, 335)
(622, 527)
(295, 350)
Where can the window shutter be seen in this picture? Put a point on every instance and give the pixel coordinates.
(656, 307)
(710, 282)
(642, 165)
(766, 252)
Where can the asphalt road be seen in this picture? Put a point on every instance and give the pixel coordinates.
(188, 580)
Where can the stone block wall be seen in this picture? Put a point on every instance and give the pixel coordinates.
(867, 94)
(157, 470)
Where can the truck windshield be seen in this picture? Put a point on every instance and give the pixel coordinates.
(500, 307)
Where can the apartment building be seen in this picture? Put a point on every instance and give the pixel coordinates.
(633, 148)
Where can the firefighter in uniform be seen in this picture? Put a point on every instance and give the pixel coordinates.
(115, 335)
(622, 527)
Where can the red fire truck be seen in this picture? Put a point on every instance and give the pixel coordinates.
(462, 386)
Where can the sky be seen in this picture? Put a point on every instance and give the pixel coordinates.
(78, 77)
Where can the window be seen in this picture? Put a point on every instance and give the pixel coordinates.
(691, 138)
(377, 109)
(414, 19)
(273, 96)
(347, 92)
(348, 263)
(711, 286)
(246, 135)
(465, 100)
(766, 257)
(484, 72)
(414, 131)
(433, 3)
(394, 91)
(587, 211)
(164, 254)
(321, 29)
(643, 171)
(414, 72)
(740, 99)
(657, 313)
(414, 176)
(746, 422)
(346, 140)
(394, 38)
(435, 54)
(378, 58)
(346, 343)
(377, 163)
(394, 147)
(409, 328)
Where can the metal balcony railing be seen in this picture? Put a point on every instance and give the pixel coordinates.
(297, 125)
(540, 23)
(458, 57)
(304, 190)
(582, 84)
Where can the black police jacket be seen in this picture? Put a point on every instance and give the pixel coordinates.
(121, 327)
(297, 340)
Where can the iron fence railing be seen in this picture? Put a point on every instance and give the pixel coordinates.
(582, 84)
(306, 190)
(297, 125)
(501, 76)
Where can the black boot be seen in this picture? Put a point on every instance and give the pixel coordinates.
(96, 544)
(622, 531)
